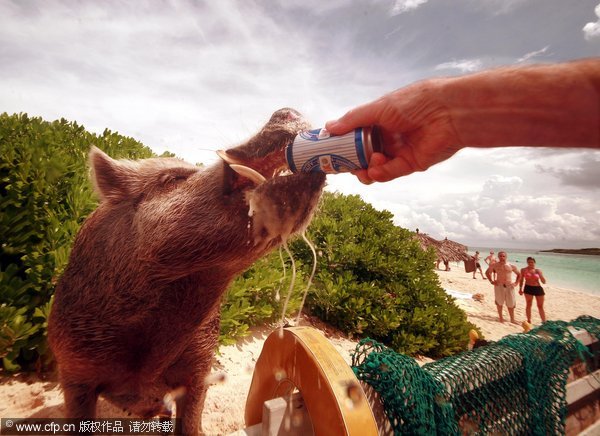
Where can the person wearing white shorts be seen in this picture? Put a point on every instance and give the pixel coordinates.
(504, 286)
(505, 294)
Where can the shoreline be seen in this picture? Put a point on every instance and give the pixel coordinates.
(583, 251)
(560, 303)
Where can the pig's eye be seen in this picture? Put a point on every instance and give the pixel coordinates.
(172, 179)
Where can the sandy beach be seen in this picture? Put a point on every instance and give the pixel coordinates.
(560, 303)
(26, 395)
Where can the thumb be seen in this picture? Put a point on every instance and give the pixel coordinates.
(361, 116)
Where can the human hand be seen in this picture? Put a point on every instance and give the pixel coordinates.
(427, 122)
(416, 129)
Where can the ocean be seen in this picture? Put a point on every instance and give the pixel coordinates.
(571, 271)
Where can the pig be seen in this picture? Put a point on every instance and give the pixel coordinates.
(136, 313)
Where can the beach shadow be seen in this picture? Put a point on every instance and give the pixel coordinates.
(104, 409)
(484, 317)
(50, 412)
(258, 333)
(49, 379)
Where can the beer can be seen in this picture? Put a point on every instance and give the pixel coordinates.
(318, 151)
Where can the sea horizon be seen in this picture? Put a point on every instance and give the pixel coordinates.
(577, 272)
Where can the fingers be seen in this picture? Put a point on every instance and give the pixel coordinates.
(392, 169)
(365, 115)
(383, 169)
(363, 175)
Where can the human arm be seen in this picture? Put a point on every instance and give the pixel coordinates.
(541, 274)
(518, 273)
(521, 279)
(425, 123)
(488, 274)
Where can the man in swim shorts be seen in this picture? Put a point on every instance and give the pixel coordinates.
(504, 287)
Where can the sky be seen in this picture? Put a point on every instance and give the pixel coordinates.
(192, 77)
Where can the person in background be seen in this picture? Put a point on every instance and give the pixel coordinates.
(504, 287)
(491, 258)
(446, 264)
(477, 265)
(555, 105)
(532, 277)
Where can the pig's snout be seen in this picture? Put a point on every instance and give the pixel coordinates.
(286, 114)
(283, 206)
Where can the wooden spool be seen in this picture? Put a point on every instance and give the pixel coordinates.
(302, 358)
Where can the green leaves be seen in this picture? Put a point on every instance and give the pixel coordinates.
(258, 295)
(45, 195)
(373, 279)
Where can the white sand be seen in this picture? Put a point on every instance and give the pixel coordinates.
(559, 303)
(26, 395)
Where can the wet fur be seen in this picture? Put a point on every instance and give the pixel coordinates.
(136, 313)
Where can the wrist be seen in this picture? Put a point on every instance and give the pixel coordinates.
(551, 105)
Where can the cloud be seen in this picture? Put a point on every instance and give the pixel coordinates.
(592, 30)
(464, 65)
(186, 76)
(585, 175)
(500, 7)
(502, 211)
(499, 187)
(401, 6)
(532, 54)
(191, 77)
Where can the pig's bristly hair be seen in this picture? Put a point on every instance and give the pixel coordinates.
(112, 179)
(119, 180)
(136, 312)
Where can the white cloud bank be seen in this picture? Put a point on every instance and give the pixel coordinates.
(533, 54)
(192, 77)
(401, 6)
(592, 30)
(463, 66)
(503, 213)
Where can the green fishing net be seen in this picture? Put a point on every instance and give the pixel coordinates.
(514, 386)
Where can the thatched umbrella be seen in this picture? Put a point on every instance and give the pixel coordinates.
(453, 251)
(446, 250)
(427, 241)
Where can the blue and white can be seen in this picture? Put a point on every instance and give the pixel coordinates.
(318, 151)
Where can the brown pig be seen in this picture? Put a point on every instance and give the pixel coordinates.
(136, 313)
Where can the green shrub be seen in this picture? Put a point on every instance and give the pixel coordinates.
(373, 279)
(45, 195)
(258, 296)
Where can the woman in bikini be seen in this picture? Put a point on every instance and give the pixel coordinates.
(532, 278)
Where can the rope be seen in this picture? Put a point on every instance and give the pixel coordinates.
(514, 386)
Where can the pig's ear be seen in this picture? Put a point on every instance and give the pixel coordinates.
(113, 180)
(230, 178)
